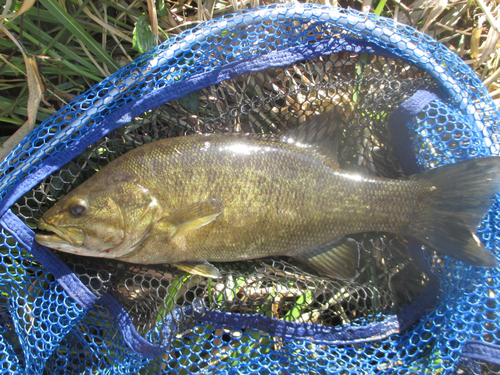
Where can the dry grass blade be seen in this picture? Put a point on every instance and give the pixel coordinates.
(437, 9)
(111, 29)
(35, 91)
(35, 88)
(6, 9)
(235, 5)
(12, 66)
(454, 15)
(209, 9)
(491, 19)
(153, 17)
(25, 6)
(492, 78)
(89, 55)
(489, 45)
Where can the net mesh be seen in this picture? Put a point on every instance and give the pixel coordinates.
(43, 330)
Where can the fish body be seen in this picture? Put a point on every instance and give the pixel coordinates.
(197, 199)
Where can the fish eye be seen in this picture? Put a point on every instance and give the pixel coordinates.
(78, 208)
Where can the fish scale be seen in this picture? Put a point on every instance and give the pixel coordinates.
(197, 199)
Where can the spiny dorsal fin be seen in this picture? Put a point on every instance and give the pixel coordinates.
(320, 131)
(194, 216)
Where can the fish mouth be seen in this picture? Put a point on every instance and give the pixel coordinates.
(70, 236)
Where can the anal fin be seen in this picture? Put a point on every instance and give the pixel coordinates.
(201, 268)
(339, 259)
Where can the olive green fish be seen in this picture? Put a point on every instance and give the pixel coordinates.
(196, 199)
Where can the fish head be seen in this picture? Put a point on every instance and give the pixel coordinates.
(89, 224)
(107, 216)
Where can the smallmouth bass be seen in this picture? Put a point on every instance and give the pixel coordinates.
(192, 200)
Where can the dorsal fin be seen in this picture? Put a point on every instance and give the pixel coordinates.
(320, 131)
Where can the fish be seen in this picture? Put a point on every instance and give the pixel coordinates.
(192, 200)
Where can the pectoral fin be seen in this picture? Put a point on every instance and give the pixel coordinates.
(202, 268)
(194, 216)
(339, 259)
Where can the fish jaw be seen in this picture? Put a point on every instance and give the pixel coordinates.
(70, 239)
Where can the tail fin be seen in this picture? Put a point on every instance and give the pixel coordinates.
(463, 196)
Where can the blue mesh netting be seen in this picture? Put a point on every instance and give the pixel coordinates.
(255, 71)
(444, 136)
